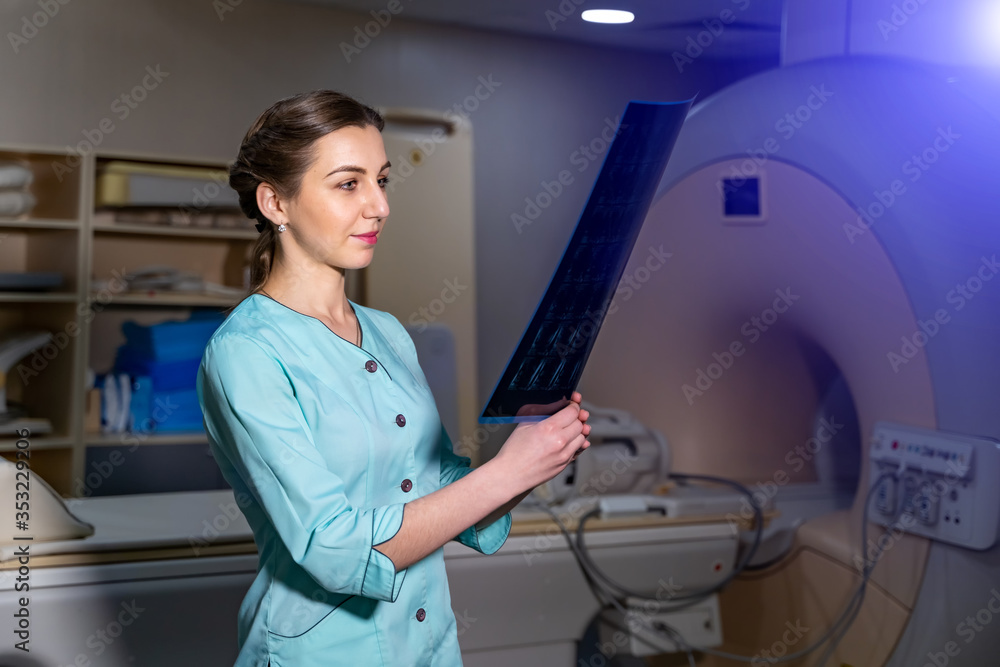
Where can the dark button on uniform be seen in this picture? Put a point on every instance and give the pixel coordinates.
(371, 366)
(406, 486)
(400, 421)
(421, 614)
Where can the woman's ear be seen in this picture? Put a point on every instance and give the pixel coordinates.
(271, 204)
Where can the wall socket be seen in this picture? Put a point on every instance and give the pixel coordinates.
(949, 487)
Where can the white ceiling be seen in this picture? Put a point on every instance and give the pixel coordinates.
(661, 25)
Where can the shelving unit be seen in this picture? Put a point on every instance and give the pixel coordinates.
(430, 246)
(63, 235)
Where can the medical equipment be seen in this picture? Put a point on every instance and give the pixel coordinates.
(625, 457)
(811, 294)
(625, 474)
(547, 364)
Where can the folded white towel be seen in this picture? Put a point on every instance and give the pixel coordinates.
(14, 175)
(16, 202)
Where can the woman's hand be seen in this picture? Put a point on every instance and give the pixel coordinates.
(538, 451)
(533, 454)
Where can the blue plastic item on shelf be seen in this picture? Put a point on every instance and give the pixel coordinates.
(172, 341)
(176, 411)
(141, 403)
(165, 375)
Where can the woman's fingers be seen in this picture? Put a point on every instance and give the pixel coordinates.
(576, 446)
(575, 443)
(566, 416)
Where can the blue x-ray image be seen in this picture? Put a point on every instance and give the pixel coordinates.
(547, 364)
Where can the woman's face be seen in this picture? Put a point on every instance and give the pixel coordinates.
(341, 205)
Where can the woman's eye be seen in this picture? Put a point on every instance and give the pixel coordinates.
(382, 182)
(349, 185)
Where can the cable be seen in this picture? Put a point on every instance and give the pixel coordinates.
(600, 583)
(694, 596)
(850, 611)
(869, 566)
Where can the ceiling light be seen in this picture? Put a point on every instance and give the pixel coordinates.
(607, 16)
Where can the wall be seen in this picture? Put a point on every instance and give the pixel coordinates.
(223, 62)
(945, 32)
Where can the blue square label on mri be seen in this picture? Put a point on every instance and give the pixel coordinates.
(741, 197)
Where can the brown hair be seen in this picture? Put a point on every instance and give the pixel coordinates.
(278, 150)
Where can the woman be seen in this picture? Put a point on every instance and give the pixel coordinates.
(322, 421)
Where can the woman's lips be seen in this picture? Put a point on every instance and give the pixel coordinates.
(371, 238)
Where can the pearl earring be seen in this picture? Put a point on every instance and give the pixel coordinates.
(281, 227)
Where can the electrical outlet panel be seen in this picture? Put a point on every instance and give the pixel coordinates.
(947, 485)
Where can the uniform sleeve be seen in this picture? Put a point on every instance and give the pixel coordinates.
(253, 419)
(453, 467)
(488, 539)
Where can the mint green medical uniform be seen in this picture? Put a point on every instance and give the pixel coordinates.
(324, 443)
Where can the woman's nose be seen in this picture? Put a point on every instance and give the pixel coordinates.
(378, 204)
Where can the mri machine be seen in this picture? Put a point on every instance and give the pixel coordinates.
(828, 316)
(872, 210)
(823, 215)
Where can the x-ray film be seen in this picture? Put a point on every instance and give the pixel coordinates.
(547, 364)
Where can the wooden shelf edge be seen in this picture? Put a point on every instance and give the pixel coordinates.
(37, 297)
(245, 547)
(37, 443)
(166, 230)
(39, 223)
(115, 439)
